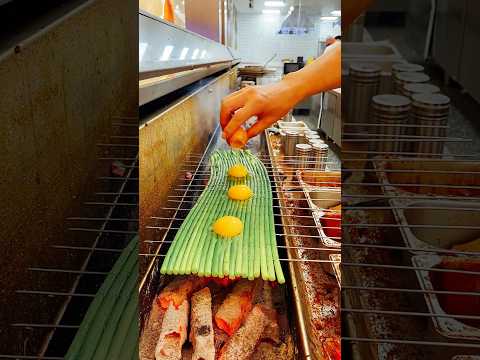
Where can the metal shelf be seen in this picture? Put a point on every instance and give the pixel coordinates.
(165, 48)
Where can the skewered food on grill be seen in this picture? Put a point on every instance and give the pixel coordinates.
(240, 192)
(173, 334)
(235, 308)
(228, 226)
(201, 333)
(253, 253)
(242, 344)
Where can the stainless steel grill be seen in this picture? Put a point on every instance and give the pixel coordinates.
(404, 320)
(297, 237)
(94, 238)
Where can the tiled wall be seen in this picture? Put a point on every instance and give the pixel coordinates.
(258, 38)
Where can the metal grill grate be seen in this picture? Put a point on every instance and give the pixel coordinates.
(94, 238)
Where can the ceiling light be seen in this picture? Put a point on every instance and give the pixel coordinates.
(271, 11)
(195, 54)
(183, 54)
(328, 18)
(204, 53)
(291, 8)
(336, 12)
(274, 3)
(167, 51)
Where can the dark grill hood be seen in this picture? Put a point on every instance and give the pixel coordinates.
(297, 23)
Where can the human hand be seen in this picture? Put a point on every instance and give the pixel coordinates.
(270, 102)
(267, 102)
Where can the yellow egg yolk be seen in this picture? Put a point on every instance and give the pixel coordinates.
(238, 171)
(240, 192)
(228, 226)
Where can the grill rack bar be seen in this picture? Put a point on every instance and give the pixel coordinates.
(31, 357)
(86, 218)
(409, 140)
(66, 271)
(368, 265)
(277, 234)
(413, 342)
(353, 208)
(54, 293)
(410, 313)
(360, 225)
(369, 207)
(373, 246)
(396, 125)
(290, 169)
(403, 153)
(54, 326)
(442, 186)
(278, 246)
(157, 251)
(374, 196)
(449, 156)
(414, 291)
(86, 248)
(128, 178)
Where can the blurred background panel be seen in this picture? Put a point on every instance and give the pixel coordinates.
(69, 74)
(410, 165)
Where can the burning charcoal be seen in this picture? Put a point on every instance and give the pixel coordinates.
(173, 334)
(242, 344)
(201, 333)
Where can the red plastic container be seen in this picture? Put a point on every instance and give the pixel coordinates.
(332, 223)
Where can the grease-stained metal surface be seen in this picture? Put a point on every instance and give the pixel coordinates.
(61, 90)
(167, 138)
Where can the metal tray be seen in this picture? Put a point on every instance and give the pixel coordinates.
(321, 197)
(448, 327)
(381, 53)
(424, 177)
(292, 125)
(310, 349)
(336, 260)
(153, 282)
(425, 228)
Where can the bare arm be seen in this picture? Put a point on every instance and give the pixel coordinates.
(270, 102)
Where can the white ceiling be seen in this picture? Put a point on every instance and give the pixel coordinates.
(313, 7)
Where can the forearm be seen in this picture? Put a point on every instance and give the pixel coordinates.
(321, 75)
